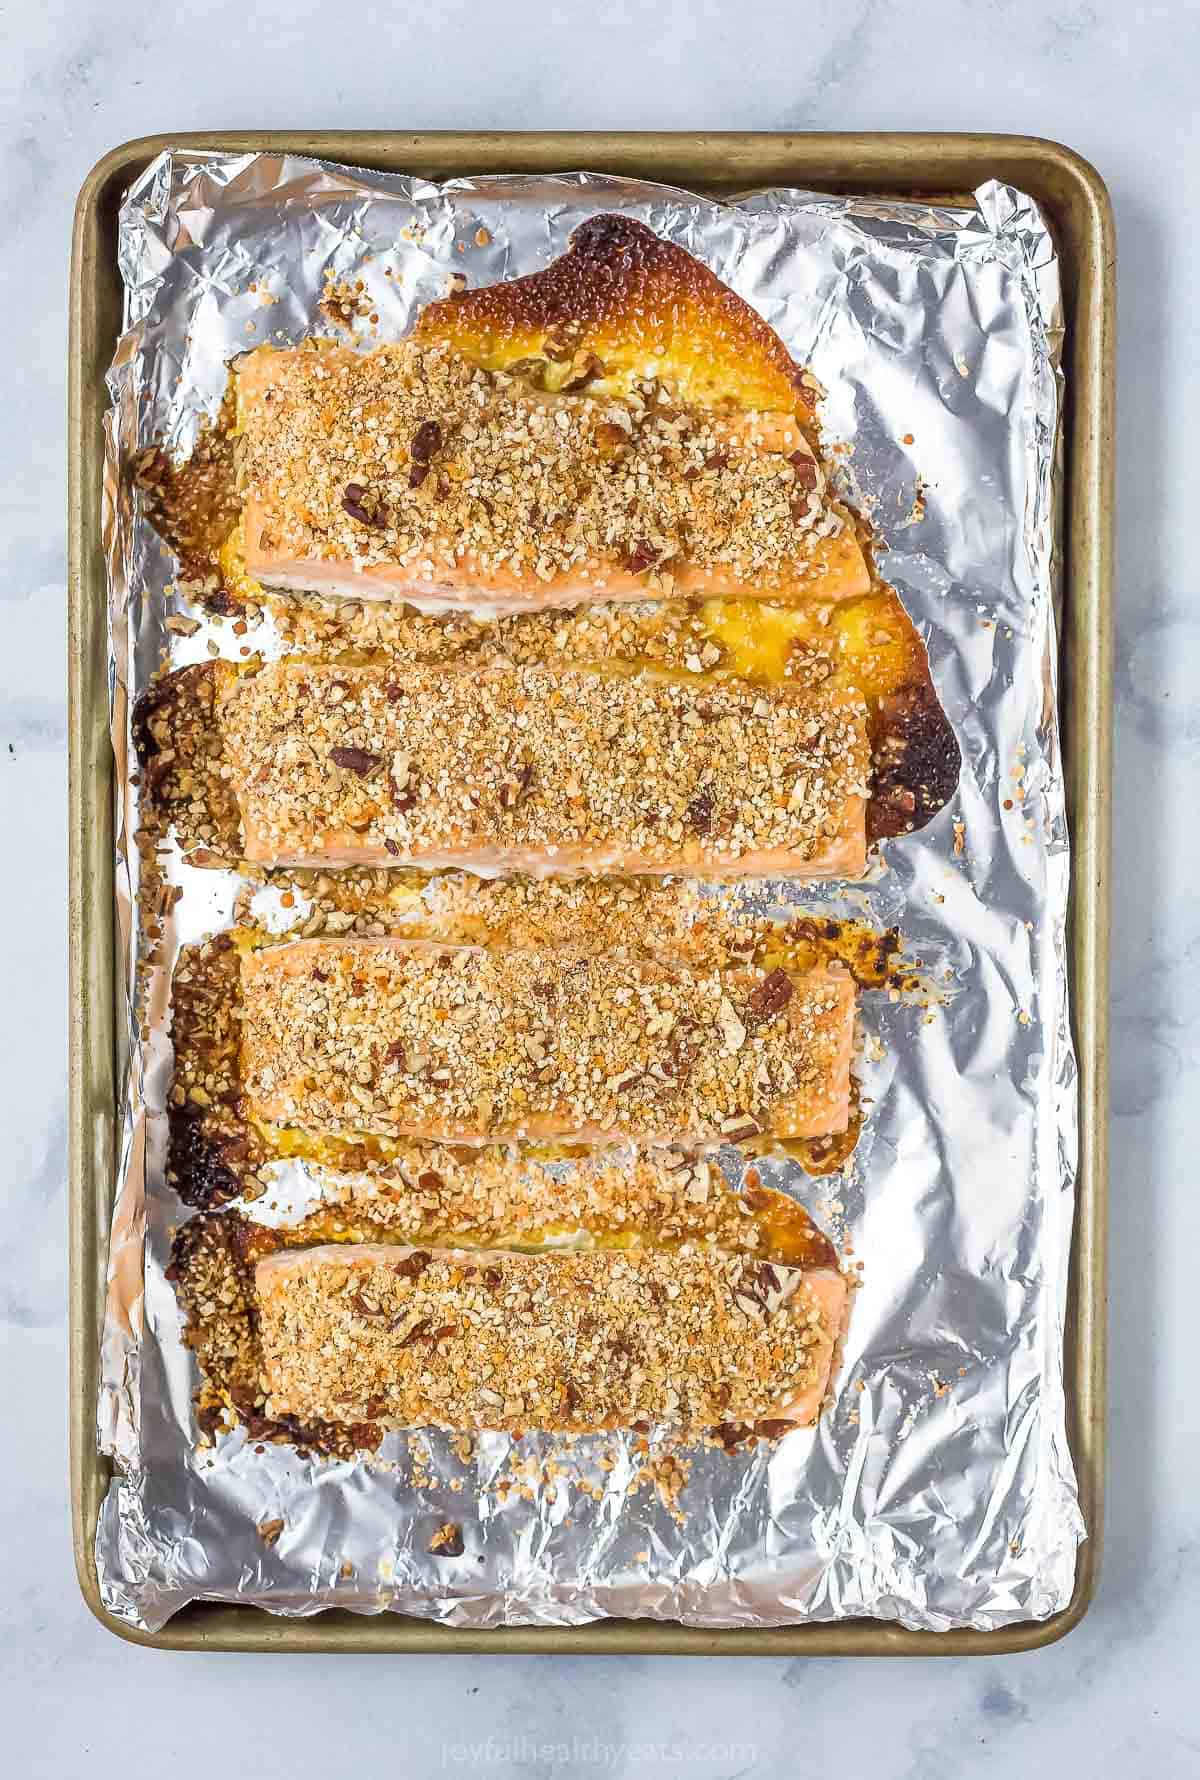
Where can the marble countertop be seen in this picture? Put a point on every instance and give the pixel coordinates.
(1117, 83)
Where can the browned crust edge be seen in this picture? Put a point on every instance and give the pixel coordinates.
(212, 1261)
(916, 761)
(210, 1153)
(617, 274)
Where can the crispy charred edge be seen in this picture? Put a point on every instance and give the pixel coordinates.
(193, 505)
(915, 757)
(202, 1163)
(618, 273)
(211, 1267)
(870, 954)
(916, 761)
(211, 1153)
(152, 727)
(180, 750)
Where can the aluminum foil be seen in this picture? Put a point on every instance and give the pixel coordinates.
(938, 1489)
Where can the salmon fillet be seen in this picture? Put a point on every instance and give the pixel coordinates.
(495, 460)
(546, 771)
(565, 1342)
(408, 1038)
(506, 1200)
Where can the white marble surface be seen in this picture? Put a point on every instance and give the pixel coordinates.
(1116, 81)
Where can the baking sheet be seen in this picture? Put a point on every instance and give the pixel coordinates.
(940, 1492)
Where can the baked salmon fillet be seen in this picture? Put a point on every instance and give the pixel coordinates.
(546, 771)
(616, 427)
(668, 1204)
(568, 1342)
(409, 1038)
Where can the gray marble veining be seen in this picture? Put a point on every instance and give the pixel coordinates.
(1117, 1698)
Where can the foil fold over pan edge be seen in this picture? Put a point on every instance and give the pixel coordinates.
(938, 1491)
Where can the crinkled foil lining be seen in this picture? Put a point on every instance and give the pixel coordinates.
(938, 1489)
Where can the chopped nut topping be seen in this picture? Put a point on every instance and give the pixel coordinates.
(626, 1049)
(573, 767)
(575, 1340)
(426, 442)
(363, 506)
(643, 556)
(448, 1540)
(533, 484)
(355, 760)
(769, 997)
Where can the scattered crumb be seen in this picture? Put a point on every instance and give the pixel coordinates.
(448, 1540)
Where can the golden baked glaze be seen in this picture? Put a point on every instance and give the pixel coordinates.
(529, 1197)
(639, 303)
